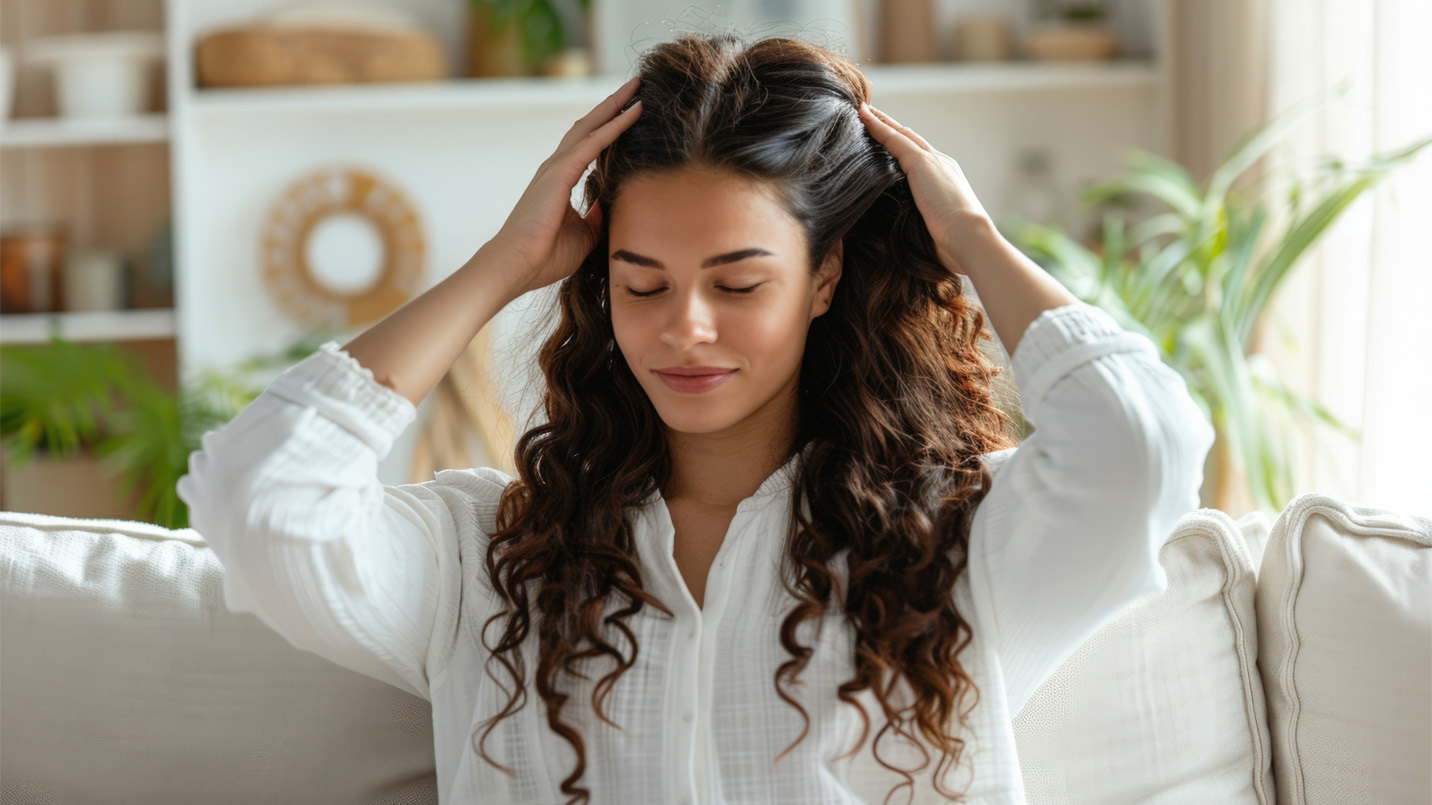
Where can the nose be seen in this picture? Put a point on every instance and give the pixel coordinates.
(691, 321)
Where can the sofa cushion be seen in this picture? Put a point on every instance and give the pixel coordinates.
(127, 680)
(1345, 648)
(1164, 703)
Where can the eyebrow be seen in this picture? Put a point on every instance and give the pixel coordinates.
(720, 259)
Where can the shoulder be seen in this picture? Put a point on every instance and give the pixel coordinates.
(995, 459)
(470, 495)
(480, 482)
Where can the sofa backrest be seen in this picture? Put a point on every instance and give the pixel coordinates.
(126, 680)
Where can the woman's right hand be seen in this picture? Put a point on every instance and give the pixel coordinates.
(544, 237)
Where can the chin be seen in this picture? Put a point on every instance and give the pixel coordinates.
(692, 413)
(686, 417)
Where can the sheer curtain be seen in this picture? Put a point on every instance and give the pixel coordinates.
(1360, 307)
(1351, 326)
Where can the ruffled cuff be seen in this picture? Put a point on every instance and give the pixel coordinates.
(340, 388)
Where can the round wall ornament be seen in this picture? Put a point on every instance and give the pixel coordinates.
(341, 247)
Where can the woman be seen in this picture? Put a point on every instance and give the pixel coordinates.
(772, 543)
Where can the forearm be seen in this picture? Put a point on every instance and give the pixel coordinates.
(413, 347)
(1012, 288)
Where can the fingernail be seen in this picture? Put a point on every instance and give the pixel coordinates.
(629, 106)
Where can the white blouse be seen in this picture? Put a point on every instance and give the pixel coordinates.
(390, 581)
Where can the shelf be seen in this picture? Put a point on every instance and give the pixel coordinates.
(72, 132)
(96, 326)
(1014, 76)
(474, 93)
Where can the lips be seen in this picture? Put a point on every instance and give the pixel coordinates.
(694, 383)
(695, 371)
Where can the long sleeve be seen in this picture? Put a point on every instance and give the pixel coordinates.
(1070, 531)
(287, 495)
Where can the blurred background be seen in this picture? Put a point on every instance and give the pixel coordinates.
(194, 194)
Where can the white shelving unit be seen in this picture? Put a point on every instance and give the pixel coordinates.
(61, 133)
(95, 326)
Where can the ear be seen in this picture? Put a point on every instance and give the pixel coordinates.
(826, 279)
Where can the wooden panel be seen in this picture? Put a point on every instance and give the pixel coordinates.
(74, 487)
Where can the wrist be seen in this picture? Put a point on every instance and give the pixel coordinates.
(497, 273)
(969, 235)
(969, 226)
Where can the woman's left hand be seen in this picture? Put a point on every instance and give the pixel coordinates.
(942, 193)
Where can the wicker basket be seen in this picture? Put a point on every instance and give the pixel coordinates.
(256, 56)
(1071, 43)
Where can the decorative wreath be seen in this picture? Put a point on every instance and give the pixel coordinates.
(291, 220)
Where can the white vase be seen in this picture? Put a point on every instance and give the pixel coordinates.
(95, 280)
(99, 75)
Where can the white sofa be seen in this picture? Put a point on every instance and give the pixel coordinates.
(1297, 674)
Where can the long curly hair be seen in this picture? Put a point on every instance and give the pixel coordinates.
(895, 406)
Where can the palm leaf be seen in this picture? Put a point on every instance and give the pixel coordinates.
(1251, 147)
(1294, 401)
(53, 396)
(1148, 174)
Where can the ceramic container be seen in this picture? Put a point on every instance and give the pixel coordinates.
(99, 75)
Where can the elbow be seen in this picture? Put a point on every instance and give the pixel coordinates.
(201, 490)
(1172, 446)
(1179, 446)
(1169, 438)
(1162, 458)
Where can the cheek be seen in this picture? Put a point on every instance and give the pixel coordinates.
(629, 328)
(773, 341)
(637, 334)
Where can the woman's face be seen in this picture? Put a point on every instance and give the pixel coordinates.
(691, 243)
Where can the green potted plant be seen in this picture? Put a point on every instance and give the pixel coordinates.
(1196, 275)
(518, 37)
(60, 398)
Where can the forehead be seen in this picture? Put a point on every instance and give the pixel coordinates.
(692, 209)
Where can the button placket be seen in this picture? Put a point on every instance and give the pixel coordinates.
(718, 590)
(681, 697)
(697, 647)
(687, 670)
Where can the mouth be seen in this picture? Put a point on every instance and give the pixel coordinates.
(695, 384)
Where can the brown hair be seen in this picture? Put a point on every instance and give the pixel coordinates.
(895, 404)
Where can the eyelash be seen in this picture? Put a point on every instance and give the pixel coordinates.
(728, 290)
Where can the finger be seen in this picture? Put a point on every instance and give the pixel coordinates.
(896, 127)
(904, 149)
(593, 218)
(581, 153)
(602, 112)
(905, 130)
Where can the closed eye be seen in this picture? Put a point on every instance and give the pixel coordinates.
(728, 290)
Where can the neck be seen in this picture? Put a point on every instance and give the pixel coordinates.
(719, 470)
